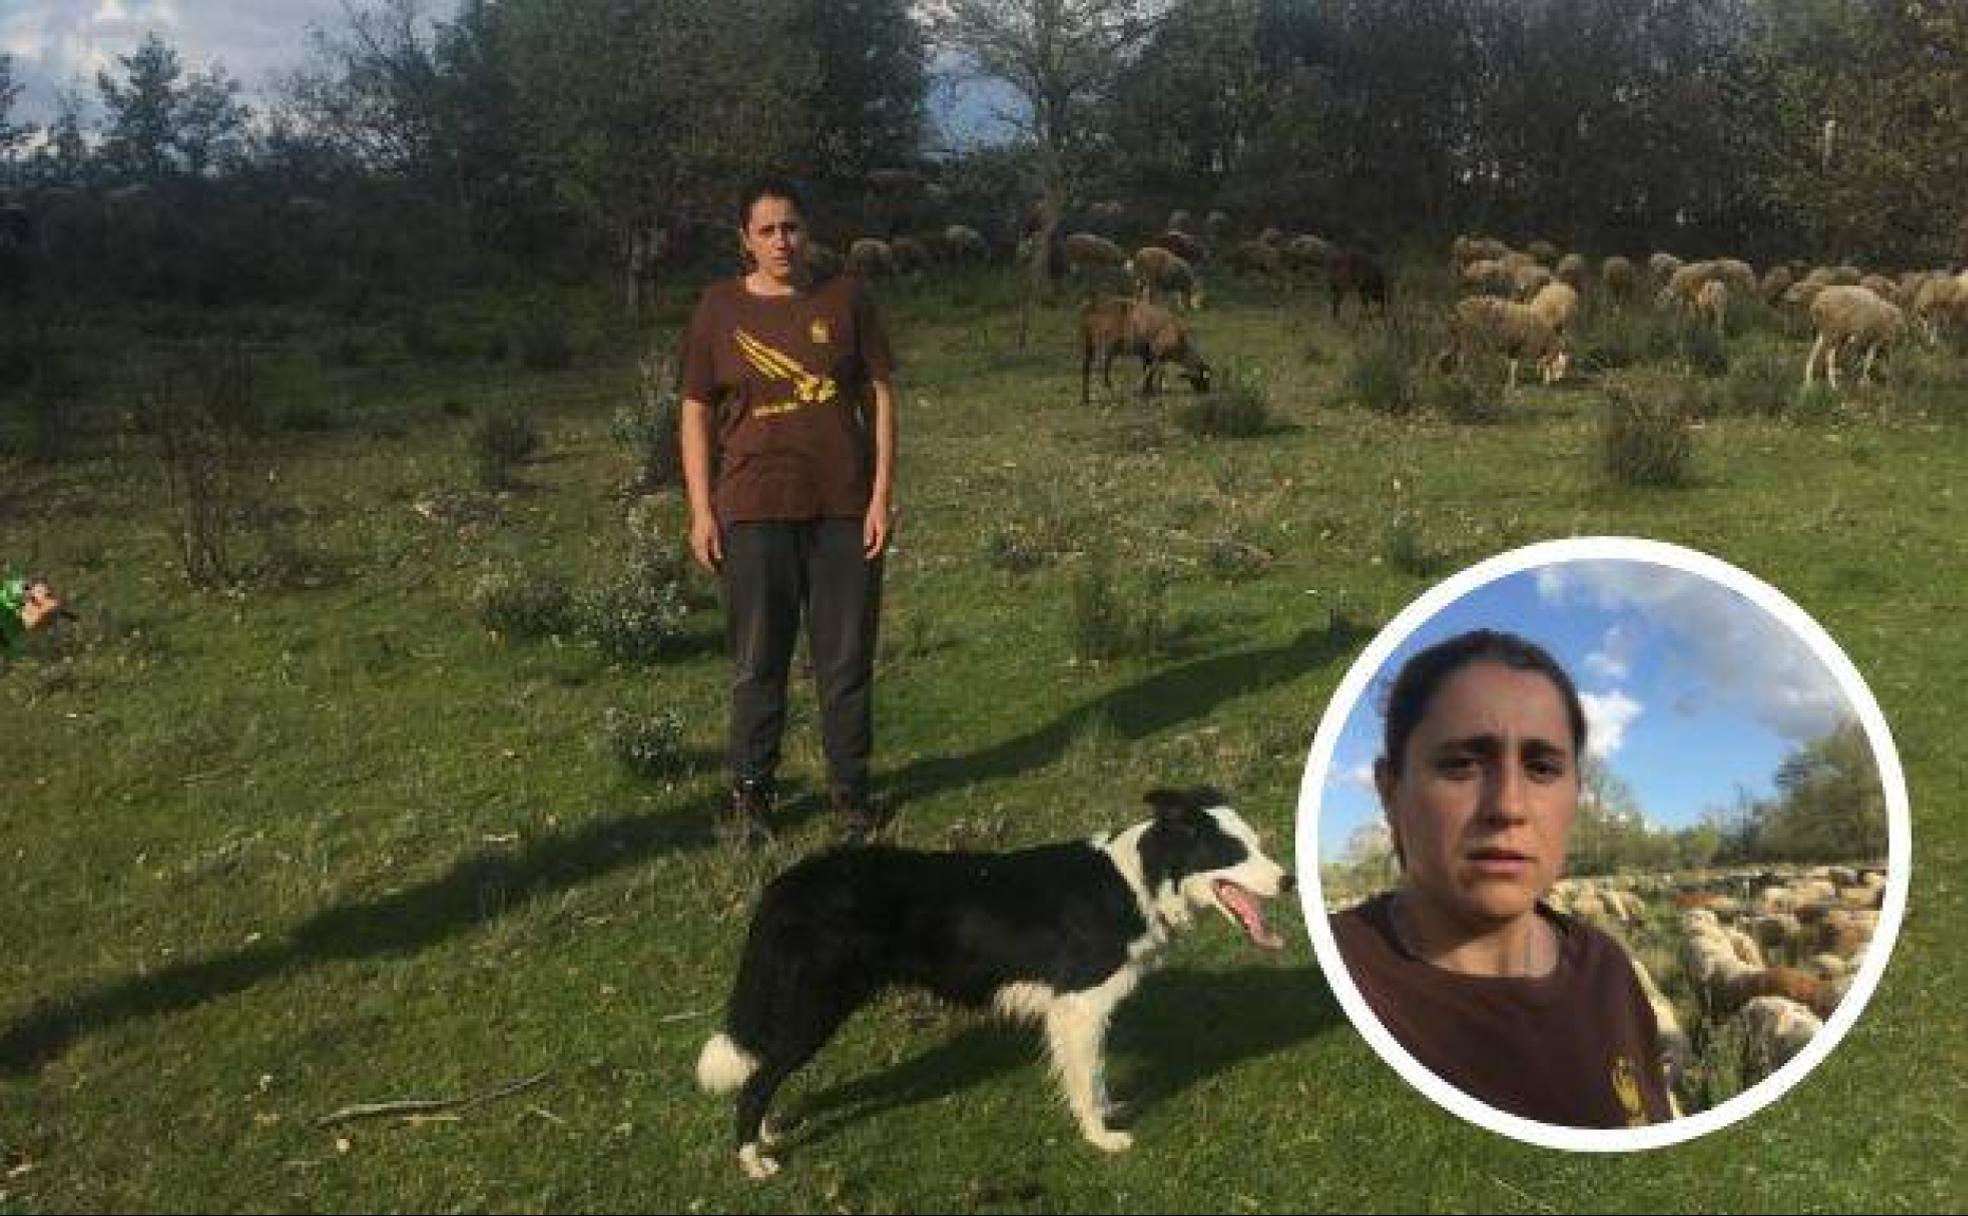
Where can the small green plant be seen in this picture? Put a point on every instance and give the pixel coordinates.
(648, 745)
(1380, 375)
(1237, 408)
(515, 603)
(1234, 560)
(1644, 438)
(1015, 548)
(647, 429)
(1460, 397)
(1702, 350)
(500, 441)
(1759, 385)
(637, 615)
(1112, 623)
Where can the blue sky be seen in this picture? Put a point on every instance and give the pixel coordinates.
(1692, 691)
(59, 44)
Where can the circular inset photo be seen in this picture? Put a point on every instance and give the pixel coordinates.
(1604, 844)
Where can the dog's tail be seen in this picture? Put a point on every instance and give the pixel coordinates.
(723, 1065)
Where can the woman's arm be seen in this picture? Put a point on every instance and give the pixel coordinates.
(694, 439)
(875, 529)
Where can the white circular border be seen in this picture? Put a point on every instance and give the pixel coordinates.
(1898, 833)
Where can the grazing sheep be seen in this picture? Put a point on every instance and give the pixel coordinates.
(870, 258)
(1116, 324)
(1466, 249)
(1846, 316)
(1182, 245)
(1308, 251)
(1273, 236)
(1258, 257)
(1677, 1048)
(1937, 301)
(1528, 279)
(1558, 304)
(1514, 330)
(1778, 1029)
(1712, 304)
(1156, 269)
(1776, 281)
(1087, 249)
(965, 246)
(1359, 274)
(1618, 275)
(823, 260)
(1488, 276)
(1572, 270)
(910, 255)
(1661, 267)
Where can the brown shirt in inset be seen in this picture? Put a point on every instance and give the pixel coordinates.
(1577, 1048)
(789, 380)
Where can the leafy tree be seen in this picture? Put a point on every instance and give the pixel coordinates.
(141, 129)
(870, 62)
(647, 116)
(12, 134)
(1061, 57)
(1831, 805)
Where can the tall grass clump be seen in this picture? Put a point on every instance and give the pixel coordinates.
(1238, 407)
(1644, 438)
(647, 428)
(1380, 374)
(501, 441)
(1110, 622)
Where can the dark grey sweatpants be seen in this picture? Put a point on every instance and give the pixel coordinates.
(775, 573)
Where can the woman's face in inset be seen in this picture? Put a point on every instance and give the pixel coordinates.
(1486, 792)
(775, 237)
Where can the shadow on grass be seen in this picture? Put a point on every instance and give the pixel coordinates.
(1179, 1028)
(478, 889)
(1164, 699)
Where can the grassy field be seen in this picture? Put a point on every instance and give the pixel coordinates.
(324, 839)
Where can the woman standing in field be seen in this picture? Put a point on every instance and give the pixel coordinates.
(788, 437)
(1523, 1008)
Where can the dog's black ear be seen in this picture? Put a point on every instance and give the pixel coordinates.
(1167, 802)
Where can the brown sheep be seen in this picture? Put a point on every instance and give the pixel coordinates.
(1359, 274)
(1117, 324)
(1154, 268)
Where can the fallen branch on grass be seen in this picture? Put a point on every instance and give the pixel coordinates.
(425, 1106)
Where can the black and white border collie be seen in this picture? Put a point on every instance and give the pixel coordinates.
(1058, 934)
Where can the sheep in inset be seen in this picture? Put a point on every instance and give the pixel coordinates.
(1677, 1048)
(1517, 331)
(1488, 276)
(1117, 324)
(1778, 1029)
(1851, 317)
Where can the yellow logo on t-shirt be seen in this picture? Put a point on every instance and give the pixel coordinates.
(1626, 1087)
(808, 389)
(819, 332)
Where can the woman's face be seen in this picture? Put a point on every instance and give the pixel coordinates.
(775, 237)
(1486, 793)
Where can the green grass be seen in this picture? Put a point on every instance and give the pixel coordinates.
(280, 849)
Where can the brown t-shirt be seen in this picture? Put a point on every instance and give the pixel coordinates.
(1578, 1047)
(789, 379)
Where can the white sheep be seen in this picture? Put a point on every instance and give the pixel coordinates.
(1849, 316)
(1712, 304)
(1778, 1029)
(1088, 249)
(1154, 268)
(1558, 304)
(1517, 331)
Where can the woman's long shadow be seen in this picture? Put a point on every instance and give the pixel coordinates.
(1178, 1028)
(478, 889)
(1164, 699)
(483, 887)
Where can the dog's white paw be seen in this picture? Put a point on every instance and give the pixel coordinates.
(756, 1164)
(1110, 1141)
(768, 1132)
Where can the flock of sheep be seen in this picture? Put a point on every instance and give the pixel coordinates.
(1736, 930)
(1520, 304)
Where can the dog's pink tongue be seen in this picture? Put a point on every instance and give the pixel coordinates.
(1250, 914)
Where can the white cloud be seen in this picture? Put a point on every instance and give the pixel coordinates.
(1607, 715)
(1353, 776)
(1614, 657)
(1726, 646)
